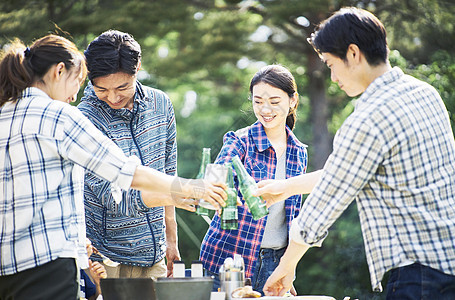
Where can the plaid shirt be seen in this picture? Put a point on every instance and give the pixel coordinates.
(44, 144)
(256, 151)
(395, 156)
(130, 232)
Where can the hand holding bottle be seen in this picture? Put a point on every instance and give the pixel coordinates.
(272, 191)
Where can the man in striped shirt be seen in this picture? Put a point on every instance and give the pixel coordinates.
(394, 155)
(141, 121)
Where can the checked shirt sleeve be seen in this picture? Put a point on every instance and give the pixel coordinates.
(232, 146)
(355, 157)
(86, 146)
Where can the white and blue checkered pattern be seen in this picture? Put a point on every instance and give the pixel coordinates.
(44, 146)
(394, 155)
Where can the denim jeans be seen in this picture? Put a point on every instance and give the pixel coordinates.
(420, 282)
(267, 262)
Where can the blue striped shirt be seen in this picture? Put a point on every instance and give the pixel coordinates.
(130, 232)
(44, 146)
(395, 156)
(255, 150)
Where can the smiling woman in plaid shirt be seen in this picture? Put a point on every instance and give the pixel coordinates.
(45, 145)
(394, 155)
(268, 149)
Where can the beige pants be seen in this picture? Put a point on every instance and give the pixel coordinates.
(126, 271)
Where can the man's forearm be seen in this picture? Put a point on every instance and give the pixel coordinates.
(171, 225)
(304, 183)
(293, 254)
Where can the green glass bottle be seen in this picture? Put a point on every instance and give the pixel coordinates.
(230, 215)
(202, 211)
(248, 186)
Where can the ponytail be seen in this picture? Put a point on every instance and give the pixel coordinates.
(292, 117)
(21, 66)
(15, 73)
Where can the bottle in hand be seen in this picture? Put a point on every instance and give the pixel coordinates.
(229, 215)
(248, 186)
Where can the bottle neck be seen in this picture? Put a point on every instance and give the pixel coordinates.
(205, 161)
(239, 168)
(230, 176)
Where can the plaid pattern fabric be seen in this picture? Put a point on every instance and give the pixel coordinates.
(44, 144)
(255, 150)
(395, 156)
(130, 232)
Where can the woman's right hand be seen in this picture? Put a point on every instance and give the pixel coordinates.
(212, 192)
(201, 189)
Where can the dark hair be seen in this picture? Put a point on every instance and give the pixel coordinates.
(281, 78)
(351, 25)
(111, 52)
(21, 66)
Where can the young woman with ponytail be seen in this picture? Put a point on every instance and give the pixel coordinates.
(269, 150)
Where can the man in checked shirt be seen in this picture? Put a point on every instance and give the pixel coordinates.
(394, 155)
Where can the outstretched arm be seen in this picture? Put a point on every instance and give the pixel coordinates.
(181, 190)
(273, 191)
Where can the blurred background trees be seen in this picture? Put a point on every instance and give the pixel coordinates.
(203, 53)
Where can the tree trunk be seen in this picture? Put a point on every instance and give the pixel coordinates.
(322, 140)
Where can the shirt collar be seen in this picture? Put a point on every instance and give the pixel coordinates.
(379, 83)
(33, 92)
(259, 136)
(262, 142)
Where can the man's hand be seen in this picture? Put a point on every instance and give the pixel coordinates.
(279, 282)
(172, 254)
(272, 191)
(281, 279)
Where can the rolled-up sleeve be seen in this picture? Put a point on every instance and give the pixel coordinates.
(300, 236)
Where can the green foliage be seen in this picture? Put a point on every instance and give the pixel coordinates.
(418, 28)
(440, 73)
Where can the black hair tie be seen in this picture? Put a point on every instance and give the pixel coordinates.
(27, 52)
